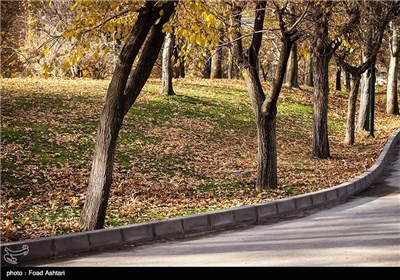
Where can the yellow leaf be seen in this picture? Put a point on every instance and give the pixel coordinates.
(46, 50)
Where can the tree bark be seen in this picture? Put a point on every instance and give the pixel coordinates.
(348, 81)
(266, 133)
(320, 118)
(351, 110)
(206, 73)
(237, 49)
(216, 64)
(338, 78)
(363, 115)
(94, 209)
(265, 109)
(322, 54)
(231, 65)
(166, 78)
(392, 103)
(309, 78)
(265, 113)
(292, 69)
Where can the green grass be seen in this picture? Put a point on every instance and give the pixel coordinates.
(230, 186)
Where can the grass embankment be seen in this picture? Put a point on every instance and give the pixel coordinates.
(177, 155)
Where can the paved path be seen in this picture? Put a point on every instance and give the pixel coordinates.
(362, 232)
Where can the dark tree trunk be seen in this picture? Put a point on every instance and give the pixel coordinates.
(308, 78)
(292, 70)
(216, 64)
(348, 81)
(267, 176)
(392, 103)
(182, 73)
(265, 72)
(166, 79)
(206, 73)
(230, 65)
(94, 209)
(237, 49)
(351, 110)
(322, 54)
(320, 120)
(266, 127)
(266, 122)
(338, 78)
(265, 108)
(179, 70)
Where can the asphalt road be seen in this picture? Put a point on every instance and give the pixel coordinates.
(362, 232)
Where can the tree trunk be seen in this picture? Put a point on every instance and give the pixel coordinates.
(265, 115)
(266, 132)
(216, 64)
(231, 65)
(167, 88)
(320, 119)
(392, 103)
(338, 78)
(237, 49)
(267, 155)
(363, 114)
(323, 52)
(94, 209)
(265, 72)
(206, 72)
(351, 110)
(178, 71)
(348, 81)
(292, 69)
(182, 73)
(308, 78)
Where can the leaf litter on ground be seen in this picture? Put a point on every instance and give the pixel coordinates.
(179, 155)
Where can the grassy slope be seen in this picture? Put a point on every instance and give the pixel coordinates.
(177, 155)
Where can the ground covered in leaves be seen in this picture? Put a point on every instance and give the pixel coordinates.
(179, 155)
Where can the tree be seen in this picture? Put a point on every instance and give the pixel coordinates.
(363, 113)
(235, 51)
(338, 84)
(378, 24)
(206, 71)
(125, 86)
(265, 106)
(376, 16)
(348, 81)
(167, 65)
(308, 77)
(292, 71)
(216, 62)
(392, 103)
(323, 49)
(13, 15)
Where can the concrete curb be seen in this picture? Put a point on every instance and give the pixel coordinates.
(44, 248)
